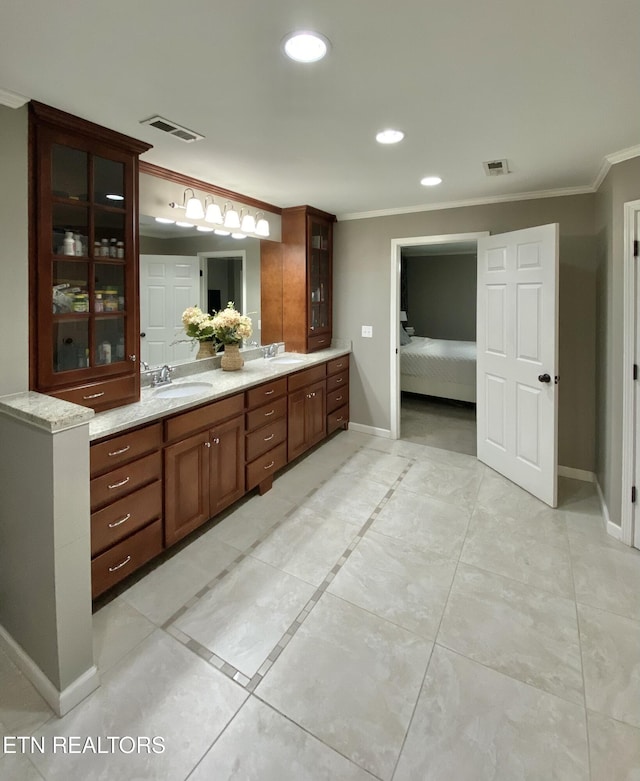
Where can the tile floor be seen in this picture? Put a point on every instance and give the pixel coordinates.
(390, 610)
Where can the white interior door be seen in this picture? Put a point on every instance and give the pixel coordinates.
(517, 339)
(168, 285)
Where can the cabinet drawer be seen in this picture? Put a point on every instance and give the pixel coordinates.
(266, 465)
(124, 558)
(307, 377)
(204, 417)
(265, 438)
(337, 381)
(120, 519)
(337, 364)
(267, 414)
(118, 450)
(263, 393)
(338, 418)
(102, 395)
(318, 342)
(337, 398)
(125, 480)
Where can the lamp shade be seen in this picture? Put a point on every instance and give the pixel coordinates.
(194, 209)
(262, 227)
(213, 214)
(231, 218)
(248, 223)
(403, 316)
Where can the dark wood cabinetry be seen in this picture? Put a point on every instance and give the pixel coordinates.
(266, 427)
(296, 281)
(306, 410)
(84, 260)
(337, 394)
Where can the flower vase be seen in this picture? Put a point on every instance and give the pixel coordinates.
(206, 349)
(231, 359)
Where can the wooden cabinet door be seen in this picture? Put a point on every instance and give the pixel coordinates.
(315, 413)
(186, 469)
(295, 439)
(226, 464)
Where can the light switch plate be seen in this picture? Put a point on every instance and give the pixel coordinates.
(367, 331)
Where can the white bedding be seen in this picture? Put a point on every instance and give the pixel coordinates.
(439, 367)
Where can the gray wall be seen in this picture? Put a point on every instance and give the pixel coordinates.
(622, 184)
(362, 273)
(14, 251)
(442, 296)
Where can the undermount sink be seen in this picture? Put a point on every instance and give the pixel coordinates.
(181, 390)
(286, 359)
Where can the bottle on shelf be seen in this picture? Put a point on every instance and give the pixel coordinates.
(104, 352)
(104, 248)
(113, 248)
(120, 349)
(120, 249)
(77, 243)
(69, 244)
(110, 300)
(99, 302)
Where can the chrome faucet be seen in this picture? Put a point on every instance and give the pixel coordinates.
(271, 350)
(144, 365)
(165, 375)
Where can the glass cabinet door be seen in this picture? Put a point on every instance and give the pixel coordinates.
(319, 276)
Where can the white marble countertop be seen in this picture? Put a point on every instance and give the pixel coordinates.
(45, 412)
(151, 407)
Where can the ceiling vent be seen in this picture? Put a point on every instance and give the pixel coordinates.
(496, 167)
(188, 136)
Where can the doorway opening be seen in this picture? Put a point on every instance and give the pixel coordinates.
(433, 312)
(223, 279)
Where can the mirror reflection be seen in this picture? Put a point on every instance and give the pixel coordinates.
(182, 267)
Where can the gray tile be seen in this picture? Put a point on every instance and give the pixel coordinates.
(516, 629)
(261, 744)
(507, 547)
(352, 497)
(242, 618)
(501, 496)
(117, 629)
(607, 578)
(424, 522)
(22, 709)
(160, 689)
(381, 467)
(611, 659)
(352, 680)
(454, 483)
(614, 749)
(252, 519)
(171, 585)
(396, 581)
(307, 544)
(18, 767)
(475, 724)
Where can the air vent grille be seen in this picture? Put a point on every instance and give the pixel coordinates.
(173, 129)
(496, 167)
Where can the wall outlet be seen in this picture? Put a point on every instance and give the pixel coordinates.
(367, 331)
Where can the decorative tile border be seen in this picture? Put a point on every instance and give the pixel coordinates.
(220, 664)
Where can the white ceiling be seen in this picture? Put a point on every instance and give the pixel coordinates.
(550, 85)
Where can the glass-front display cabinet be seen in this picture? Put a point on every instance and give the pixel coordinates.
(84, 271)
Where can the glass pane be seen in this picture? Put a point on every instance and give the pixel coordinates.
(109, 234)
(69, 173)
(323, 315)
(70, 345)
(70, 229)
(70, 287)
(109, 340)
(109, 287)
(108, 182)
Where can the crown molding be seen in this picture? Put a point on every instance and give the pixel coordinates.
(529, 196)
(12, 99)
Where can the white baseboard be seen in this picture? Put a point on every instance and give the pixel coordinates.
(372, 430)
(61, 701)
(576, 474)
(613, 530)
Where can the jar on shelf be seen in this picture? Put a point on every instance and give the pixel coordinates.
(110, 301)
(96, 249)
(80, 302)
(99, 301)
(69, 244)
(104, 248)
(120, 250)
(113, 248)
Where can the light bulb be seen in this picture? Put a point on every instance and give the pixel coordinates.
(194, 209)
(213, 214)
(231, 218)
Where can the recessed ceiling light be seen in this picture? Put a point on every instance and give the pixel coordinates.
(389, 136)
(184, 224)
(222, 233)
(114, 197)
(430, 181)
(164, 220)
(238, 235)
(305, 46)
(204, 229)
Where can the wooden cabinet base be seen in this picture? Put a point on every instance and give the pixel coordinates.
(126, 557)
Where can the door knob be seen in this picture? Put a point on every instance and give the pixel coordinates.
(544, 378)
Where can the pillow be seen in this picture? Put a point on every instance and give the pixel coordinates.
(404, 336)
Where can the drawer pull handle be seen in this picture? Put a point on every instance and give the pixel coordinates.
(266, 414)
(340, 419)
(321, 341)
(269, 465)
(270, 392)
(269, 438)
(339, 379)
(338, 366)
(94, 396)
(338, 398)
(122, 520)
(120, 484)
(121, 451)
(119, 566)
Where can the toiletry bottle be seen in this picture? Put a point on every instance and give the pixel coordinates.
(77, 243)
(69, 245)
(106, 351)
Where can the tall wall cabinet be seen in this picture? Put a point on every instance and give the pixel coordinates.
(296, 281)
(84, 260)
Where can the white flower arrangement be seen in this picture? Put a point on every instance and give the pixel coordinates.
(230, 327)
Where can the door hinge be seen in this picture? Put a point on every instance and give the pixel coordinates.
(201, 274)
(636, 244)
(635, 371)
(633, 495)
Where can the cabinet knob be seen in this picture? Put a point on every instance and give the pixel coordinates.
(216, 440)
(207, 444)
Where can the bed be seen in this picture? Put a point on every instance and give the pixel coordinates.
(439, 367)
